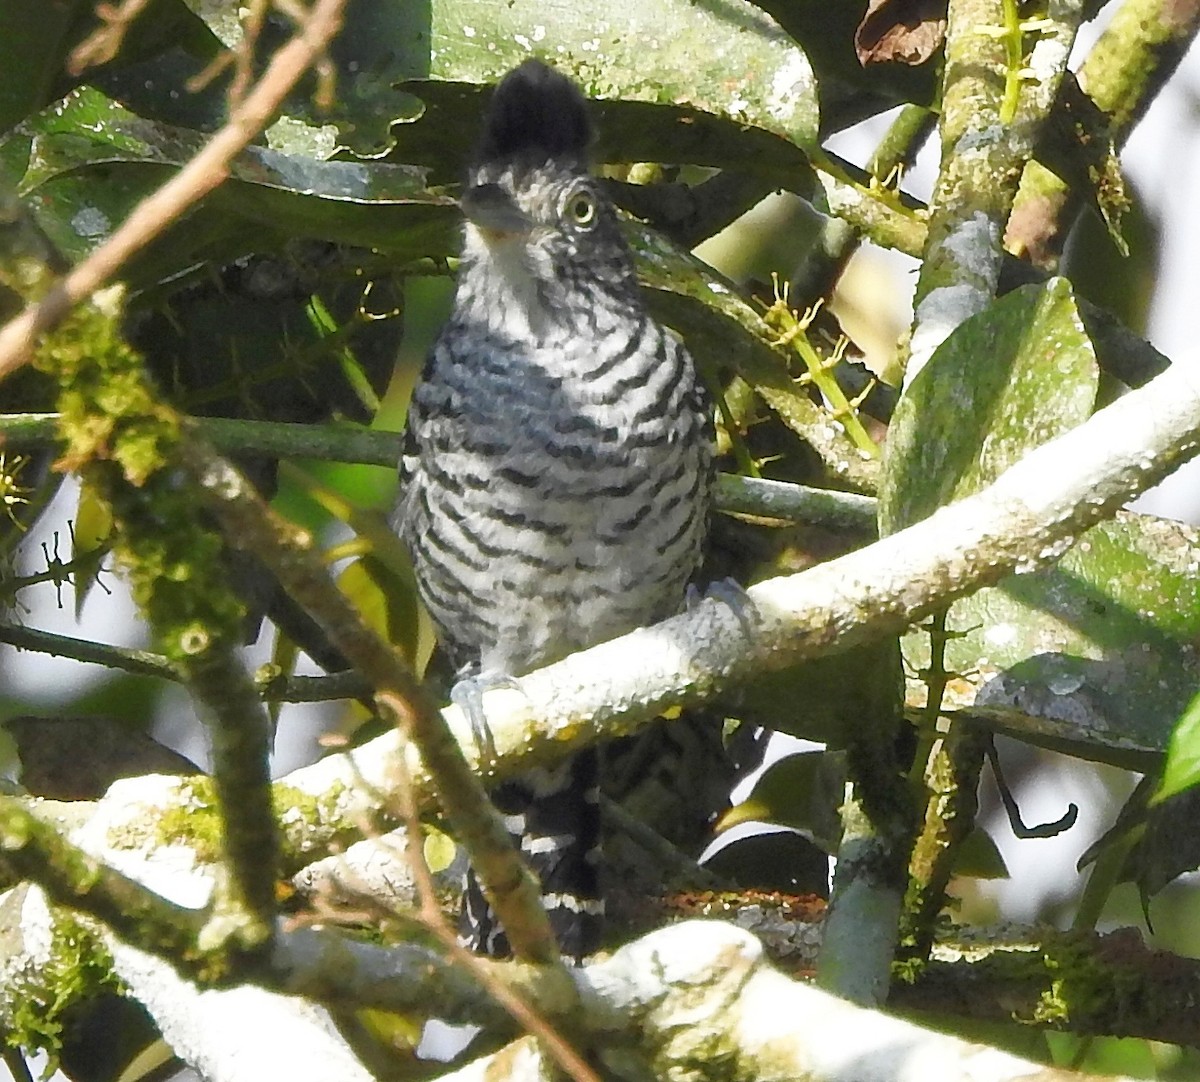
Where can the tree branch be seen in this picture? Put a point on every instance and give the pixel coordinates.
(1126, 68)
(756, 1022)
(987, 137)
(1027, 518)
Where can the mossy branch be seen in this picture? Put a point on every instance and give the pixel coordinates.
(125, 443)
(1138, 52)
(33, 849)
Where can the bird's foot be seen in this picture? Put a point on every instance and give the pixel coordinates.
(733, 595)
(467, 695)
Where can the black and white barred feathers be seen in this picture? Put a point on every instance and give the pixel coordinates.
(556, 476)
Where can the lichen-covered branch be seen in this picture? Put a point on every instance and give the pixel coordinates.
(861, 928)
(1137, 53)
(1130, 63)
(875, 212)
(951, 778)
(699, 993)
(988, 133)
(1080, 982)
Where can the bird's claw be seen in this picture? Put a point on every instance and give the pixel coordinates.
(733, 595)
(467, 695)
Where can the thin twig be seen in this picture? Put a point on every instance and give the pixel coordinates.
(281, 689)
(245, 518)
(377, 447)
(195, 180)
(137, 662)
(430, 913)
(103, 43)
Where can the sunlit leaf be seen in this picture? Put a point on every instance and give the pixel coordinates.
(1182, 768)
(440, 850)
(1007, 380)
(1094, 656)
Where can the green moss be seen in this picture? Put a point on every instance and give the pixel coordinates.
(78, 969)
(123, 440)
(303, 817)
(1065, 981)
(1088, 990)
(195, 822)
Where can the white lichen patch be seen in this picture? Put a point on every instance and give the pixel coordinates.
(90, 222)
(1001, 635)
(979, 141)
(1048, 59)
(791, 85)
(841, 197)
(937, 316)
(222, 18)
(975, 246)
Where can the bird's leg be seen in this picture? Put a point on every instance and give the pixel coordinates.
(467, 695)
(733, 595)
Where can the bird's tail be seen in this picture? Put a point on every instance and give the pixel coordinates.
(554, 815)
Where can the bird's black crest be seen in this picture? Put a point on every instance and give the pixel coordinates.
(535, 112)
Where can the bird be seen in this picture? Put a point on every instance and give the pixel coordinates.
(556, 475)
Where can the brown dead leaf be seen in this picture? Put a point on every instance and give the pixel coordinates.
(901, 31)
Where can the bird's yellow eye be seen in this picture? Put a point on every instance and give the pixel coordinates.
(581, 209)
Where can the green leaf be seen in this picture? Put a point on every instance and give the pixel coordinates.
(440, 850)
(1182, 768)
(91, 533)
(83, 165)
(801, 791)
(36, 39)
(1007, 380)
(730, 60)
(627, 131)
(410, 77)
(826, 699)
(979, 857)
(1094, 656)
(386, 603)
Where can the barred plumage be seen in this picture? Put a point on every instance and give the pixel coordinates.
(556, 476)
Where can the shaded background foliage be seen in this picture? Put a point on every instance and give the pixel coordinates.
(291, 291)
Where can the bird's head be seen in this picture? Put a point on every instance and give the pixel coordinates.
(534, 214)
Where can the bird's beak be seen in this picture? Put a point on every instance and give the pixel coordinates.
(494, 212)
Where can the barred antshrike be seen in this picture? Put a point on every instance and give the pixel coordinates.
(558, 463)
